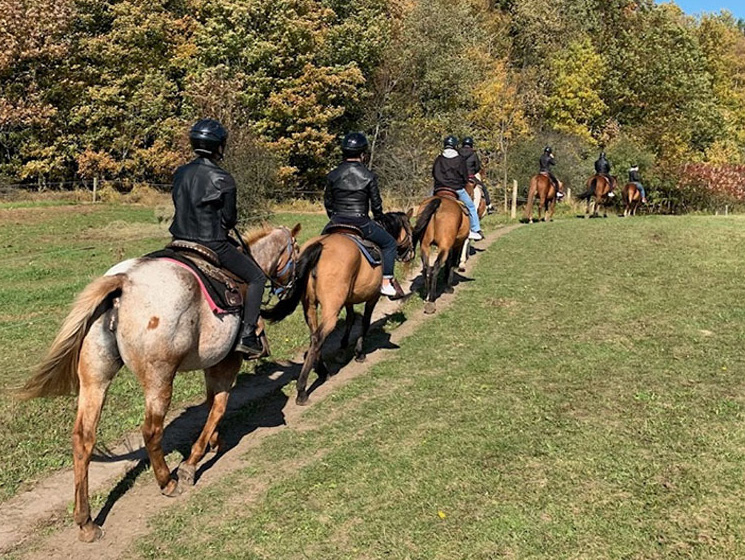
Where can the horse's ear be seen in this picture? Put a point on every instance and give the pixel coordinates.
(409, 213)
(296, 229)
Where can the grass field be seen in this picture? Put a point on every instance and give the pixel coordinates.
(583, 399)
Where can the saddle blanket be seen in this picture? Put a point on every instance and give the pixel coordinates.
(222, 293)
(369, 250)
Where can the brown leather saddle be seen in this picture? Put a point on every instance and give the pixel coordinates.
(224, 288)
(452, 194)
(368, 249)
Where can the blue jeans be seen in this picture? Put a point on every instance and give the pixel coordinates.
(641, 189)
(473, 214)
(374, 232)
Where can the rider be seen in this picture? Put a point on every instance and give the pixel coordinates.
(449, 171)
(546, 162)
(602, 167)
(204, 195)
(635, 178)
(473, 165)
(351, 191)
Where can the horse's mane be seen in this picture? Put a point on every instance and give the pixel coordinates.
(392, 222)
(252, 236)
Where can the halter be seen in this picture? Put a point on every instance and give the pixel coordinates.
(405, 246)
(290, 266)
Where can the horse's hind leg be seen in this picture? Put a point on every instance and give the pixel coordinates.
(551, 209)
(359, 350)
(329, 314)
(98, 364)
(464, 256)
(158, 385)
(218, 379)
(450, 271)
(348, 324)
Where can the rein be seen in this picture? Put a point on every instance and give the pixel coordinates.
(275, 286)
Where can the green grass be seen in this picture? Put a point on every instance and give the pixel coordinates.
(582, 399)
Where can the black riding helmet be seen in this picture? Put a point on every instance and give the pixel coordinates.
(354, 144)
(450, 142)
(547, 150)
(208, 137)
(467, 141)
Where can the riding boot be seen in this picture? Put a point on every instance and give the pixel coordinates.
(249, 344)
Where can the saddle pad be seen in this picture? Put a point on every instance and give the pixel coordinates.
(342, 228)
(222, 292)
(369, 250)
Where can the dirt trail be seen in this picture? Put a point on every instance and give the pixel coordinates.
(130, 503)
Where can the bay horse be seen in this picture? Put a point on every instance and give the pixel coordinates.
(603, 185)
(632, 198)
(332, 273)
(542, 186)
(150, 315)
(442, 227)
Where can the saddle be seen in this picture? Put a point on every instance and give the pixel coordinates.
(222, 289)
(452, 194)
(369, 250)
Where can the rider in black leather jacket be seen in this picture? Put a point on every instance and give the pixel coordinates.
(473, 166)
(204, 196)
(351, 193)
(545, 163)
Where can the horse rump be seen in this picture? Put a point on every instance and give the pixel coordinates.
(422, 221)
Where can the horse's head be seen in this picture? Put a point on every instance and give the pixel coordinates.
(276, 250)
(398, 224)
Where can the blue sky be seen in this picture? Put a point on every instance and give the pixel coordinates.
(693, 7)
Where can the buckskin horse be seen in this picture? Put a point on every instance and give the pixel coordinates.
(631, 199)
(333, 273)
(150, 315)
(441, 228)
(542, 185)
(599, 196)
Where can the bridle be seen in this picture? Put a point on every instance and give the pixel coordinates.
(405, 249)
(287, 269)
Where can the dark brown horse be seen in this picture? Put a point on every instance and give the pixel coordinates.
(150, 315)
(332, 273)
(632, 198)
(542, 186)
(599, 195)
(442, 228)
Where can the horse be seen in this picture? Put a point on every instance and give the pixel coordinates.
(476, 193)
(603, 185)
(631, 199)
(332, 273)
(442, 223)
(150, 315)
(542, 185)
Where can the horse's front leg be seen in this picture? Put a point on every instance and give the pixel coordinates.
(359, 350)
(218, 380)
(348, 324)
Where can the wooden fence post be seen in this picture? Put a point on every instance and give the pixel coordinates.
(95, 188)
(513, 213)
(569, 194)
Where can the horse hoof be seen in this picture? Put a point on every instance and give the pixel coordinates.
(361, 358)
(461, 269)
(448, 290)
(301, 400)
(429, 308)
(90, 533)
(187, 474)
(172, 489)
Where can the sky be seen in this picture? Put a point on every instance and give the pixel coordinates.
(694, 7)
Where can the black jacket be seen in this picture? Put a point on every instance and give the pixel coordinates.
(473, 164)
(546, 161)
(450, 172)
(352, 190)
(602, 166)
(204, 196)
(634, 176)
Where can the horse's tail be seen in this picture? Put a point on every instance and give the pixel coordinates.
(305, 264)
(423, 219)
(531, 195)
(588, 189)
(57, 374)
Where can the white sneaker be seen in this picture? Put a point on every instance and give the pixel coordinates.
(387, 289)
(611, 194)
(475, 235)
